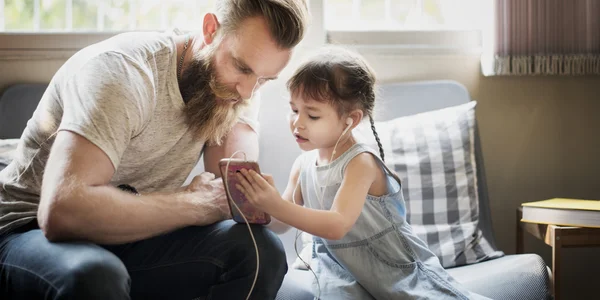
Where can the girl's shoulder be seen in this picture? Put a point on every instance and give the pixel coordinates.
(369, 167)
(363, 156)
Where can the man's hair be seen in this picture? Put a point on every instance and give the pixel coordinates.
(286, 19)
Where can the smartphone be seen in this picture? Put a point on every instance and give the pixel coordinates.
(253, 215)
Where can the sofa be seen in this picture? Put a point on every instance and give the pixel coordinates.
(523, 276)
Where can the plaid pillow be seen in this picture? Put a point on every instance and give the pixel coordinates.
(433, 154)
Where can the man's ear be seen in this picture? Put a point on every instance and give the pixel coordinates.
(209, 27)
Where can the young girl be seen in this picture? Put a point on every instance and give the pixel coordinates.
(348, 199)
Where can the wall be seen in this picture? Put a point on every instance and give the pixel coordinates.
(539, 137)
(27, 71)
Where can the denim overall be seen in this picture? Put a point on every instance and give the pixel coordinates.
(380, 257)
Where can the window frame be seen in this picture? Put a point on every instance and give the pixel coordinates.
(410, 42)
(405, 42)
(62, 45)
(51, 45)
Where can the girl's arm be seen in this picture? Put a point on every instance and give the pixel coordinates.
(333, 224)
(292, 190)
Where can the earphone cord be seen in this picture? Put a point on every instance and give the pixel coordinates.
(226, 185)
(296, 244)
(322, 207)
(330, 160)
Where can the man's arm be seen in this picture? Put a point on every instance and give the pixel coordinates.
(77, 202)
(242, 137)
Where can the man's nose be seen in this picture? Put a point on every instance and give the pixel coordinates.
(246, 88)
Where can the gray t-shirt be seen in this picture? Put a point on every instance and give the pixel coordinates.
(122, 95)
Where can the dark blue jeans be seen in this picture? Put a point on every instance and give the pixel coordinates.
(210, 262)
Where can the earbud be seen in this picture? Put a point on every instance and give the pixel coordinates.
(349, 123)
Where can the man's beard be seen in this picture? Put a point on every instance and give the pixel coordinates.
(209, 110)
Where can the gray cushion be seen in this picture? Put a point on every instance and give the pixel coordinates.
(17, 105)
(518, 277)
(8, 148)
(296, 286)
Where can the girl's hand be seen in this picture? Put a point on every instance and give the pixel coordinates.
(261, 192)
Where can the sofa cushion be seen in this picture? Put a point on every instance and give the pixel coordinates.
(523, 277)
(297, 285)
(7, 151)
(17, 104)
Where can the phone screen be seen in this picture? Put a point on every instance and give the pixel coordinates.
(253, 215)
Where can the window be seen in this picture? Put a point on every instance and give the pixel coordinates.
(391, 26)
(362, 15)
(56, 29)
(100, 15)
(340, 15)
(407, 26)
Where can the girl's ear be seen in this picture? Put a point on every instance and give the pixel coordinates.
(356, 116)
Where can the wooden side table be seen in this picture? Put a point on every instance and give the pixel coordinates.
(557, 237)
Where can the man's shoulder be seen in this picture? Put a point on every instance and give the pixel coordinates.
(132, 57)
(140, 44)
(125, 49)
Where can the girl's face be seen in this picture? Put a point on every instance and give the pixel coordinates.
(315, 124)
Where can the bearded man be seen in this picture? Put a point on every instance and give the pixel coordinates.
(93, 207)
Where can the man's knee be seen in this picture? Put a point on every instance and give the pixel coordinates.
(271, 253)
(95, 275)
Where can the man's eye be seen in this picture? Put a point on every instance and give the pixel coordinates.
(245, 71)
(313, 117)
(295, 111)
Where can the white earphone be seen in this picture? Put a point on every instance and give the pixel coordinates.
(349, 123)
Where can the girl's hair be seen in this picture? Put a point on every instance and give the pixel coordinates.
(341, 78)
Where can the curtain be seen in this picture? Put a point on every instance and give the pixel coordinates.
(544, 37)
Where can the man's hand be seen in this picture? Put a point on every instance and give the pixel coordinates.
(204, 189)
(259, 190)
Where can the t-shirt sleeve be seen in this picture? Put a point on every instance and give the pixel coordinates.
(107, 101)
(251, 112)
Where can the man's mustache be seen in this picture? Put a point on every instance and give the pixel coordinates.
(223, 92)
